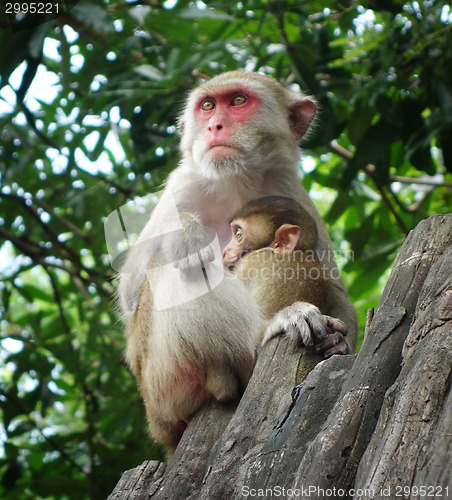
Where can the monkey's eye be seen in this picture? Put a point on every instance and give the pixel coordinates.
(238, 234)
(238, 100)
(207, 105)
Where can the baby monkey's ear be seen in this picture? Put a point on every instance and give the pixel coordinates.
(286, 238)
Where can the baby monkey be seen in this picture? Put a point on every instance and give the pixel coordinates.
(273, 252)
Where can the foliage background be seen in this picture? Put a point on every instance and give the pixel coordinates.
(103, 132)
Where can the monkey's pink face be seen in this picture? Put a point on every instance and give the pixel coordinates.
(222, 115)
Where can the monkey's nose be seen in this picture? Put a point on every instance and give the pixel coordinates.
(228, 264)
(217, 126)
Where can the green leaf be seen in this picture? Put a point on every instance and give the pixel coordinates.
(210, 14)
(149, 71)
(94, 16)
(372, 149)
(12, 474)
(33, 293)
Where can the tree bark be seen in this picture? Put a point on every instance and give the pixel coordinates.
(373, 425)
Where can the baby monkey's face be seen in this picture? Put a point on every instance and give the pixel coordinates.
(256, 233)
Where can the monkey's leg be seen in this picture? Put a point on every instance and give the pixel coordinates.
(222, 383)
(165, 433)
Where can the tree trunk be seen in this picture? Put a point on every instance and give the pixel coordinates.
(372, 425)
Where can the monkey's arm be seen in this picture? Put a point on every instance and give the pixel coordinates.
(178, 234)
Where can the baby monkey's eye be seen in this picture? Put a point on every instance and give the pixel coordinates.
(239, 99)
(238, 234)
(207, 105)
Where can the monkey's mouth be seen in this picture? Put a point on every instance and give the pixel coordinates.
(221, 145)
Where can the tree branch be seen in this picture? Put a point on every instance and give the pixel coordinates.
(39, 254)
(53, 236)
(422, 181)
(334, 147)
(87, 393)
(61, 219)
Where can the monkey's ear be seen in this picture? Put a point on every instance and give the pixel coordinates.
(301, 114)
(286, 238)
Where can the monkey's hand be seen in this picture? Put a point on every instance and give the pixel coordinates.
(190, 248)
(303, 323)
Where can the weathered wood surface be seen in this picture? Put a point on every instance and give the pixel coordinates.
(380, 419)
(412, 443)
(135, 483)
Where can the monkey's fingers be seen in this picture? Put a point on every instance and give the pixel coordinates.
(298, 333)
(334, 344)
(310, 314)
(336, 324)
(191, 266)
(275, 328)
(207, 254)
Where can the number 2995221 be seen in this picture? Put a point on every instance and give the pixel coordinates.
(32, 8)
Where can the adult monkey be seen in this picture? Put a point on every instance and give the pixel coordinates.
(239, 135)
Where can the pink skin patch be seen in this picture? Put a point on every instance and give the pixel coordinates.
(221, 114)
(192, 381)
(187, 384)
